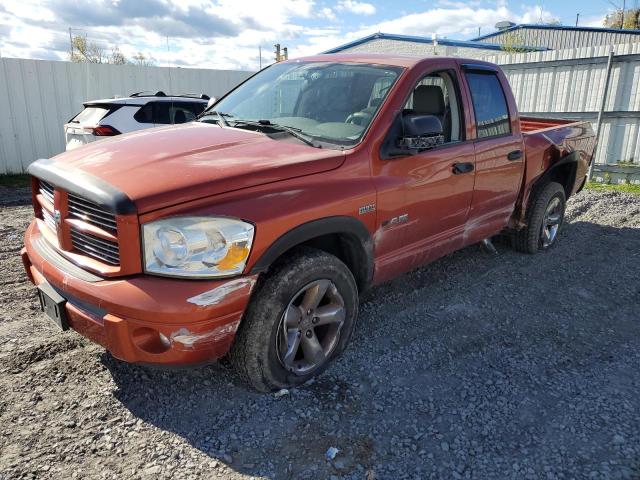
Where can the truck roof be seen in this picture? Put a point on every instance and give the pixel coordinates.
(406, 61)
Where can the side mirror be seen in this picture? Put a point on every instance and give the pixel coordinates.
(211, 102)
(410, 133)
(420, 132)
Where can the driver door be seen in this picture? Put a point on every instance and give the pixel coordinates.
(424, 199)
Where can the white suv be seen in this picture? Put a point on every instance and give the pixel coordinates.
(113, 116)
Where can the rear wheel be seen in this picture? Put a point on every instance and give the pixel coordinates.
(544, 220)
(298, 321)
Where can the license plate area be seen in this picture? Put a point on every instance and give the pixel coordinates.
(53, 305)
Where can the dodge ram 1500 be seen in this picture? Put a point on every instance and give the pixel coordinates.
(251, 232)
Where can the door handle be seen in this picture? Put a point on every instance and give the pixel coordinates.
(515, 155)
(464, 167)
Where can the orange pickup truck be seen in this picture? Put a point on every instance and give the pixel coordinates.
(251, 232)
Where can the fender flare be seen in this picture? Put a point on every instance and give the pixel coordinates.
(350, 226)
(572, 186)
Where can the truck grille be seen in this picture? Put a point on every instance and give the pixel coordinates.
(46, 190)
(48, 220)
(91, 213)
(95, 247)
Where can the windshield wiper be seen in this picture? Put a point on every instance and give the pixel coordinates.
(221, 117)
(294, 132)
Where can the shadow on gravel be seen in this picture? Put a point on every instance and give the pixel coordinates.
(484, 343)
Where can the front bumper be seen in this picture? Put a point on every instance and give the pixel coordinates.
(142, 318)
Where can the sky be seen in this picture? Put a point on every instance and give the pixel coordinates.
(227, 34)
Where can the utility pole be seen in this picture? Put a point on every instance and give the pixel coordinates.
(479, 28)
(622, 16)
(71, 43)
(603, 104)
(577, 18)
(260, 56)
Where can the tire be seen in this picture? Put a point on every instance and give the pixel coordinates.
(261, 353)
(533, 238)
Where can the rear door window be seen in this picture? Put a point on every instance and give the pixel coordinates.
(145, 114)
(489, 104)
(161, 113)
(182, 112)
(90, 115)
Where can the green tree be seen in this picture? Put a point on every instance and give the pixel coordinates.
(631, 20)
(512, 42)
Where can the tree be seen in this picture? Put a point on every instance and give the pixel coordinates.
(512, 42)
(142, 59)
(631, 19)
(83, 50)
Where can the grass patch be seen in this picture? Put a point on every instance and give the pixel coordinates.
(624, 187)
(15, 180)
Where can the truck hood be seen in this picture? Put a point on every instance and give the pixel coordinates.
(166, 166)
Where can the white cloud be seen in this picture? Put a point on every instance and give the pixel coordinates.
(228, 33)
(536, 14)
(328, 13)
(592, 21)
(353, 6)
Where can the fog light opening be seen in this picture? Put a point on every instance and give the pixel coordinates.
(150, 340)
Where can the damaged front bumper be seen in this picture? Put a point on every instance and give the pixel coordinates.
(141, 318)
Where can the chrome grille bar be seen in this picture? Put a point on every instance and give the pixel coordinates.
(46, 190)
(48, 220)
(99, 249)
(91, 213)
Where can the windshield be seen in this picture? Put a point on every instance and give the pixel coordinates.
(325, 101)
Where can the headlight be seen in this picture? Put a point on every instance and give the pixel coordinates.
(196, 246)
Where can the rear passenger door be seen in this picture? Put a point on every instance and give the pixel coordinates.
(499, 151)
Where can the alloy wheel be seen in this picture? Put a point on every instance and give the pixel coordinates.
(309, 330)
(551, 222)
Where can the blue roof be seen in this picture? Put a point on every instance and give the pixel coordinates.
(556, 27)
(441, 41)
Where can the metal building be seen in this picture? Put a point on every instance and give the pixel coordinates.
(559, 37)
(411, 45)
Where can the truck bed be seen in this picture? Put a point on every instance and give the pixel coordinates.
(533, 124)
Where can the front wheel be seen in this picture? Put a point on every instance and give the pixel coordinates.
(298, 321)
(544, 220)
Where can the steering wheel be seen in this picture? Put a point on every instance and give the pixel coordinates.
(359, 118)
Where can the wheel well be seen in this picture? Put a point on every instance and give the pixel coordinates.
(349, 250)
(565, 175)
(344, 237)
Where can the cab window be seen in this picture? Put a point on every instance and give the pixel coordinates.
(437, 95)
(489, 104)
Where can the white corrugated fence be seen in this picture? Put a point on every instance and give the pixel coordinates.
(38, 96)
(570, 84)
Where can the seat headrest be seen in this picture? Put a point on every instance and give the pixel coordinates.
(428, 100)
(179, 117)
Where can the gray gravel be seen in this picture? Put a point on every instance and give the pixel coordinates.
(476, 366)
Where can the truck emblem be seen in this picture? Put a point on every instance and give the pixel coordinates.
(404, 218)
(57, 217)
(367, 209)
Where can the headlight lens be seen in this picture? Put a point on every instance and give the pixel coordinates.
(196, 246)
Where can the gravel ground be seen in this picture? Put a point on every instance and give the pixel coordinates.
(476, 366)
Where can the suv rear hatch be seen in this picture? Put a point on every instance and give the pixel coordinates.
(87, 126)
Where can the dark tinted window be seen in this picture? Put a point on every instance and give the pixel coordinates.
(145, 114)
(161, 112)
(182, 112)
(489, 104)
(174, 112)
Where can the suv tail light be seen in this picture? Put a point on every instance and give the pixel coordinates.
(104, 131)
